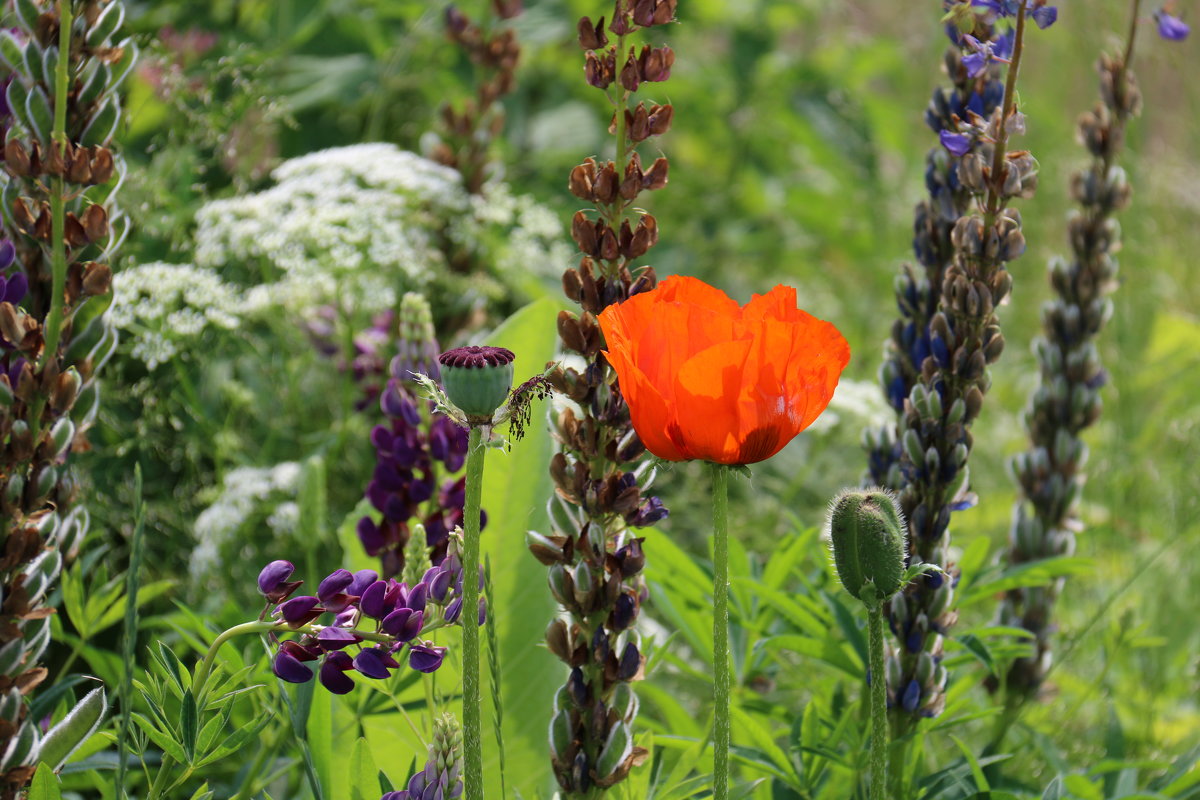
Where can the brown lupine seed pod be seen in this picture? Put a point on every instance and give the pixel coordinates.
(631, 74)
(42, 229)
(583, 232)
(582, 179)
(76, 236)
(638, 123)
(97, 279)
(55, 164)
(12, 325)
(95, 222)
(592, 37)
(17, 159)
(570, 332)
(656, 176)
(606, 185)
(572, 285)
(597, 70)
(22, 215)
(80, 169)
(656, 63)
(660, 119)
(609, 248)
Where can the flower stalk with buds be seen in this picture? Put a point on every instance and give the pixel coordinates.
(495, 52)
(1067, 400)
(62, 229)
(594, 557)
(938, 369)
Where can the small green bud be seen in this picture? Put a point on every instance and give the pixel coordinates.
(560, 735)
(477, 380)
(867, 531)
(616, 750)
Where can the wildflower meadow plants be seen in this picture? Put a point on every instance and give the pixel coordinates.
(376, 504)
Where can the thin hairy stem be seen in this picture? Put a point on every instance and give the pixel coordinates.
(472, 725)
(721, 723)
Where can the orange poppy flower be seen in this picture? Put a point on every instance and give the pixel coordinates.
(708, 379)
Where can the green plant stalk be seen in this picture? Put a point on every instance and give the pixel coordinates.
(129, 643)
(268, 626)
(879, 721)
(472, 726)
(721, 723)
(494, 675)
(58, 223)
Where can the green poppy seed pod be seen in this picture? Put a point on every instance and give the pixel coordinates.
(477, 380)
(867, 531)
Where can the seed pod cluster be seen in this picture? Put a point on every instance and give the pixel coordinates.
(600, 473)
(1067, 400)
(469, 130)
(53, 343)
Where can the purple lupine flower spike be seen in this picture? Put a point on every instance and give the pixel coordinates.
(441, 778)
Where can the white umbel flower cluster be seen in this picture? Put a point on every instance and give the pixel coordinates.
(159, 305)
(247, 493)
(363, 224)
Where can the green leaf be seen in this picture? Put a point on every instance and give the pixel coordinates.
(45, 784)
(145, 594)
(188, 724)
(81, 722)
(165, 742)
(12, 52)
(1033, 573)
(981, 781)
(319, 730)
(102, 125)
(364, 775)
(1054, 791)
(977, 648)
(516, 487)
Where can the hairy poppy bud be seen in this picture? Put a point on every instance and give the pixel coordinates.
(477, 379)
(867, 531)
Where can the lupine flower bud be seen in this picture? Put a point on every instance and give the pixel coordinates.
(477, 379)
(868, 535)
(300, 610)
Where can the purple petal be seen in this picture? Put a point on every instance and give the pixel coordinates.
(373, 602)
(372, 664)
(1172, 28)
(958, 144)
(426, 658)
(362, 579)
(274, 574)
(299, 610)
(335, 583)
(336, 638)
(288, 668)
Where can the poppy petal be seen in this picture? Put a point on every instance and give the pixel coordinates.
(707, 392)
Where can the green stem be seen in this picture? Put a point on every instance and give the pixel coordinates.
(58, 245)
(1000, 151)
(721, 725)
(879, 723)
(472, 726)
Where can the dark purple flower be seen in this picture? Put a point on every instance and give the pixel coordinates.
(439, 587)
(374, 600)
(289, 668)
(631, 662)
(8, 254)
(454, 610)
(958, 144)
(300, 610)
(1171, 28)
(374, 662)
(404, 623)
(396, 403)
(648, 513)
(332, 590)
(912, 696)
(16, 287)
(426, 657)
(418, 596)
(370, 535)
(362, 579)
(333, 673)
(273, 581)
(331, 638)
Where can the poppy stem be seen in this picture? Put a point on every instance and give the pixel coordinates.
(472, 726)
(879, 722)
(721, 672)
